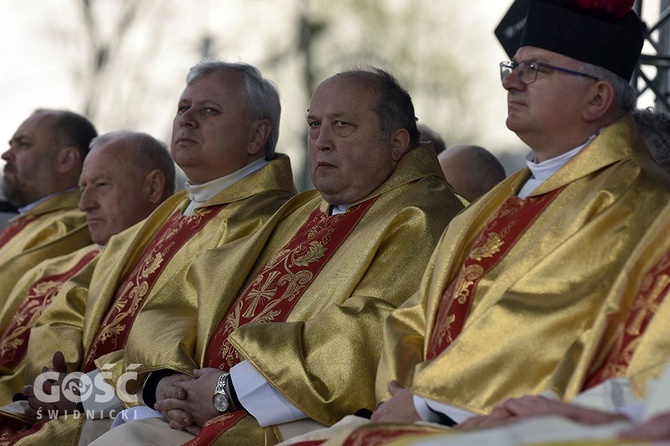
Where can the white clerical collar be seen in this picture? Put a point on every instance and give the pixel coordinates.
(339, 209)
(32, 205)
(540, 172)
(200, 193)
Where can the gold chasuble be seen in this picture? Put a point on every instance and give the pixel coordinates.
(137, 271)
(631, 336)
(31, 295)
(524, 282)
(133, 291)
(654, 288)
(14, 226)
(52, 228)
(309, 316)
(281, 283)
(277, 289)
(505, 228)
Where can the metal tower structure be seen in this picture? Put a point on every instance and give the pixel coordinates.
(658, 36)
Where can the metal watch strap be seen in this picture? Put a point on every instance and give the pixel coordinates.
(220, 399)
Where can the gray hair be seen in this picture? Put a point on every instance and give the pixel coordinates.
(654, 127)
(393, 106)
(150, 154)
(261, 95)
(625, 94)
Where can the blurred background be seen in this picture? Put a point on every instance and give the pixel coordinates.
(123, 62)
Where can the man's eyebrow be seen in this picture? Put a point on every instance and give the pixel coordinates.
(334, 115)
(199, 102)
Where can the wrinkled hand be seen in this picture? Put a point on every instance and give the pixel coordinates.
(167, 390)
(399, 408)
(61, 399)
(516, 409)
(197, 402)
(499, 415)
(658, 428)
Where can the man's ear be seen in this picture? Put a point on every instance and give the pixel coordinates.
(154, 186)
(600, 101)
(399, 144)
(68, 159)
(260, 132)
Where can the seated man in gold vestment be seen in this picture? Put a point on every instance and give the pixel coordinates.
(297, 347)
(625, 387)
(224, 135)
(42, 167)
(125, 176)
(519, 278)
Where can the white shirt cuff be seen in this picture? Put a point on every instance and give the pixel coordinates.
(426, 409)
(260, 399)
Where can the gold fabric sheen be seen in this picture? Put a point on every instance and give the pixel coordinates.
(250, 202)
(334, 331)
(653, 350)
(59, 229)
(532, 314)
(329, 345)
(12, 381)
(650, 358)
(73, 319)
(653, 346)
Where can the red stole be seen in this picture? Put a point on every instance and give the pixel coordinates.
(275, 291)
(501, 233)
(14, 227)
(13, 430)
(281, 283)
(134, 290)
(14, 340)
(653, 289)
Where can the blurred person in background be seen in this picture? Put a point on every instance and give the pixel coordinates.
(42, 167)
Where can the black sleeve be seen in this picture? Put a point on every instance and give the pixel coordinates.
(150, 385)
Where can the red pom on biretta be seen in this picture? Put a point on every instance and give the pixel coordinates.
(617, 8)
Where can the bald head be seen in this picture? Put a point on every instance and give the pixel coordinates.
(45, 155)
(471, 170)
(125, 177)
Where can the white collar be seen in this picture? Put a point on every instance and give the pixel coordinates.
(339, 209)
(540, 172)
(200, 193)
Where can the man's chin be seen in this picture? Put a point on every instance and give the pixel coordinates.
(10, 196)
(513, 124)
(14, 197)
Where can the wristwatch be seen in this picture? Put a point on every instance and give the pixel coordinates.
(221, 400)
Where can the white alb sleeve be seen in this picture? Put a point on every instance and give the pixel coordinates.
(260, 399)
(426, 409)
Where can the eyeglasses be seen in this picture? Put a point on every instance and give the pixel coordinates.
(528, 70)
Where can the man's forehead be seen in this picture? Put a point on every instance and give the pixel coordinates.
(111, 156)
(541, 55)
(350, 90)
(32, 124)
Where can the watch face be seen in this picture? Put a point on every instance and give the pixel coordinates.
(220, 402)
